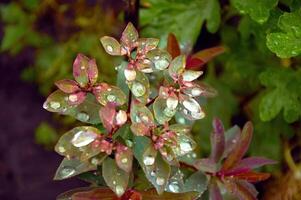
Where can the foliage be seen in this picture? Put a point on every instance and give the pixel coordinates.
(143, 128)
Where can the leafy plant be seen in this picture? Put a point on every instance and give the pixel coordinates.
(148, 126)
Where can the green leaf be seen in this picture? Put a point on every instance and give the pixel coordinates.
(78, 143)
(111, 45)
(72, 167)
(116, 178)
(85, 112)
(12, 37)
(259, 10)
(287, 43)
(172, 16)
(140, 87)
(283, 93)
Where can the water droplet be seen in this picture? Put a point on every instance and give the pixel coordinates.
(61, 149)
(124, 160)
(114, 182)
(196, 92)
(138, 89)
(82, 116)
(160, 181)
(111, 98)
(190, 75)
(169, 112)
(234, 141)
(198, 115)
(191, 105)
(161, 64)
(186, 146)
(172, 103)
(83, 67)
(73, 98)
(121, 117)
(181, 120)
(174, 187)
(109, 48)
(67, 171)
(153, 173)
(83, 138)
(149, 160)
(157, 57)
(45, 105)
(130, 74)
(145, 118)
(95, 161)
(119, 190)
(55, 105)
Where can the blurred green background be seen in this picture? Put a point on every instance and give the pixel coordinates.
(258, 78)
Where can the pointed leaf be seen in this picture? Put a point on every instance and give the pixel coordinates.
(67, 86)
(107, 115)
(205, 165)
(111, 46)
(78, 143)
(190, 75)
(208, 54)
(129, 36)
(87, 111)
(76, 98)
(173, 47)
(254, 162)
(92, 71)
(214, 192)
(177, 66)
(72, 167)
(80, 70)
(124, 158)
(147, 44)
(253, 176)
(196, 182)
(240, 148)
(115, 178)
(240, 191)
(161, 111)
(105, 93)
(217, 140)
(160, 59)
(190, 108)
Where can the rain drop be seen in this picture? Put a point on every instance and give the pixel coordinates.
(160, 181)
(119, 190)
(161, 64)
(55, 105)
(172, 103)
(67, 171)
(110, 48)
(124, 160)
(196, 92)
(121, 117)
(191, 105)
(130, 74)
(73, 98)
(169, 112)
(61, 149)
(149, 160)
(95, 161)
(111, 98)
(138, 89)
(185, 147)
(174, 187)
(83, 138)
(82, 116)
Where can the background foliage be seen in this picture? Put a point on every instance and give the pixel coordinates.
(258, 77)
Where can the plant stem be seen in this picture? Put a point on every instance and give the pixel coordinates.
(132, 12)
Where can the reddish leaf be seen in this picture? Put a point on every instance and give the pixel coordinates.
(232, 136)
(92, 71)
(240, 148)
(240, 190)
(67, 86)
(207, 54)
(254, 162)
(173, 45)
(217, 140)
(80, 67)
(214, 192)
(193, 63)
(107, 116)
(206, 165)
(129, 36)
(98, 193)
(131, 194)
(253, 176)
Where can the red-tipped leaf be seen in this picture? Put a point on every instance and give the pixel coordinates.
(67, 86)
(217, 140)
(173, 45)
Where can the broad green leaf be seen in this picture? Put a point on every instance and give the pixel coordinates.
(85, 112)
(78, 143)
(287, 43)
(116, 178)
(161, 112)
(124, 158)
(177, 66)
(13, 35)
(106, 93)
(140, 87)
(169, 16)
(259, 10)
(72, 167)
(129, 35)
(159, 58)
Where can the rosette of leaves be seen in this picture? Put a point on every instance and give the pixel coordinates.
(122, 130)
(227, 167)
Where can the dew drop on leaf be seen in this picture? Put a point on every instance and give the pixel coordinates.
(149, 160)
(109, 48)
(82, 116)
(111, 98)
(138, 89)
(55, 104)
(174, 187)
(119, 190)
(186, 146)
(124, 160)
(73, 98)
(67, 171)
(83, 138)
(191, 105)
(169, 112)
(160, 181)
(61, 149)
(172, 103)
(130, 74)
